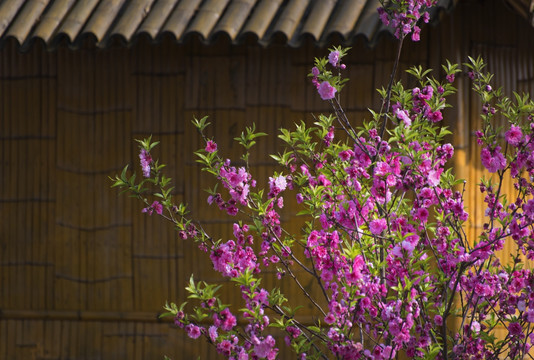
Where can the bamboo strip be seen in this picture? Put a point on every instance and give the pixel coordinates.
(49, 283)
(121, 290)
(51, 334)
(81, 336)
(37, 240)
(67, 293)
(68, 339)
(137, 346)
(110, 346)
(358, 94)
(95, 331)
(20, 221)
(9, 253)
(11, 337)
(3, 338)
(28, 337)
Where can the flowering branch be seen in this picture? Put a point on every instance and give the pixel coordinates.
(383, 237)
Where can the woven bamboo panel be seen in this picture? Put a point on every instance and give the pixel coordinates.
(83, 272)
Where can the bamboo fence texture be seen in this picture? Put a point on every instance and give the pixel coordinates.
(83, 274)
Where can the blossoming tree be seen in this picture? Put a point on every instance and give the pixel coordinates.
(383, 238)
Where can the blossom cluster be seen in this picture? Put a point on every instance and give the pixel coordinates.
(324, 80)
(238, 182)
(403, 16)
(146, 161)
(383, 247)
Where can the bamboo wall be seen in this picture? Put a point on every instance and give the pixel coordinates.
(83, 274)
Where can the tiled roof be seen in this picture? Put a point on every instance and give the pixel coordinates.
(262, 21)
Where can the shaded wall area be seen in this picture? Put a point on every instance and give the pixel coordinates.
(83, 274)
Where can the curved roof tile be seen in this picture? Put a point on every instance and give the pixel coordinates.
(235, 16)
(207, 17)
(156, 17)
(262, 16)
(8, 10)
(180, 17)
(346, 15)
(52, 19)
(103, 17)
(367, 21)
(320, 13)
(291, 17)
(132, 18)
(74, 21)
(26, 19)
(265, 21)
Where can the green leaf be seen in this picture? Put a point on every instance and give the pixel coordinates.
(201, 124)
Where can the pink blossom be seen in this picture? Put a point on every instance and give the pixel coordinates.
(383, 16)
(422, 214)
(416, 33)
(380, 191)
(323, 180)
(277, 184)
(382, 168)
(156, 206)
(446, 151)
(493, 160)
(242, 355)
(346, 155)
(386, 352)
(333, 58)
(225, 347)
(211, 146)
(403, 115)
(435, 116)
(434, 177)
(358, 266)
(315, 71)
(264, 349)
(323, 219)
(329, 137)
(326, 91)
(397, 251)
(193, 331)
(426, 93)
(329, 319)
(225, 320)
(377, 226)
(262, 297)
(212, 331)
(237, 183)
(410, 243)
(528, 208)
(515, 328)
(145, 160)
(514, 135)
